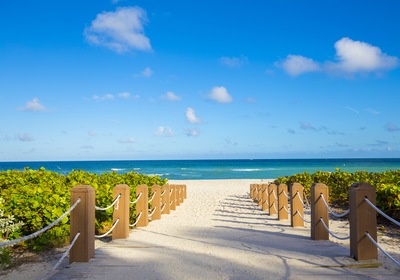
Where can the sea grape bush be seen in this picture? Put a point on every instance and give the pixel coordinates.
(38, 197)
(387, 186)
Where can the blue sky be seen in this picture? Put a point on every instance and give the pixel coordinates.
(109, 79)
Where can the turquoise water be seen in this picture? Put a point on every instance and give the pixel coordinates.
(213, 169)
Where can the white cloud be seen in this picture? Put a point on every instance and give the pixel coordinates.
(170, 96)
(33, 106)
(352, 57)
(357, 56)
(192, 132)
(233, 62)
(147, 72)
(391, 127)
(164, 131)
(220, 94)
(124, 95)
(108, 96)
(25, 137)
(120, 31)
(295, 65)
(127, 140)
(191, 116)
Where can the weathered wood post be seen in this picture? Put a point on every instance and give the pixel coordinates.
(156, 202)
(318, 211)
(362, 219)
(172, 198)
(82, 220)
(165, 199)
(184, 192)
(181, 193)
(255, 192)
(251, 190)
(296, 205)
(121, 212)
(283, 202)
(177, 194)
(272, 199)
(259, 194)
(264, 190)
(142, 205)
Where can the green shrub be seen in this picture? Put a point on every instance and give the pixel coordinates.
(38, 197)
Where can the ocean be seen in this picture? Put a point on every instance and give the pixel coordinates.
(213, 169)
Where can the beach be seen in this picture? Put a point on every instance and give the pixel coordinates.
(219, 233)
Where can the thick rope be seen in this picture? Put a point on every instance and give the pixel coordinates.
(108, 232)
(163, 207)
(137, 198)
(108, 207)
(152, 212)
(152, 197)
(287, 211)
(62, 257)
(164, 191)
(137, 220)
(380, 212)
(380, 248)
(331, 211)
(33, 235)
(331, 233)
(301, 217)
(285, 194)
(301, 200)
(273, 192)
(273, 204)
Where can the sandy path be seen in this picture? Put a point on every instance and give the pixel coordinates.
(219, 233)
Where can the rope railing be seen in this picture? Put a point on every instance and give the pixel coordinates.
(137, 198)
(285, 194)
(137, 219)
(381, 249)
(287, 211)
(163, 207)
(301, 201)
(331, 233)
(152, 197)
(162, 194)
(301, 217)
(116, 200)
(33, 235)
(274, 205)
(273, 192)
(331, 211)
(48, 274)
(108, 232)
(380, 212)
(152, 212)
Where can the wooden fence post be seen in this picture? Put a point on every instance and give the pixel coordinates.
(283, 202)
(121, 212)
(296, 205)
(156, 202)
(82, 220)
(142, 205)
(181, 193)
(165, 199)
(272, 199)
(259, 194)
(318, 211)
(172, 198)
(362, 219)
(264, 190)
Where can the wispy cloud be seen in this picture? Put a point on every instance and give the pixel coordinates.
(108, 96)
(190, 132)
(352, 57)
(164, 131)
(352, 109)
(392, 127)
(127, 140)
(33, 105)
(120, 31)
(191, 116)
(220, 95)
(170, 96)
(233, 62)
(25, 137)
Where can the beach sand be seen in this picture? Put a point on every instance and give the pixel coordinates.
(219, 233)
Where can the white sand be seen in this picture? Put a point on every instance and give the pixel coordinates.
(219, 233)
